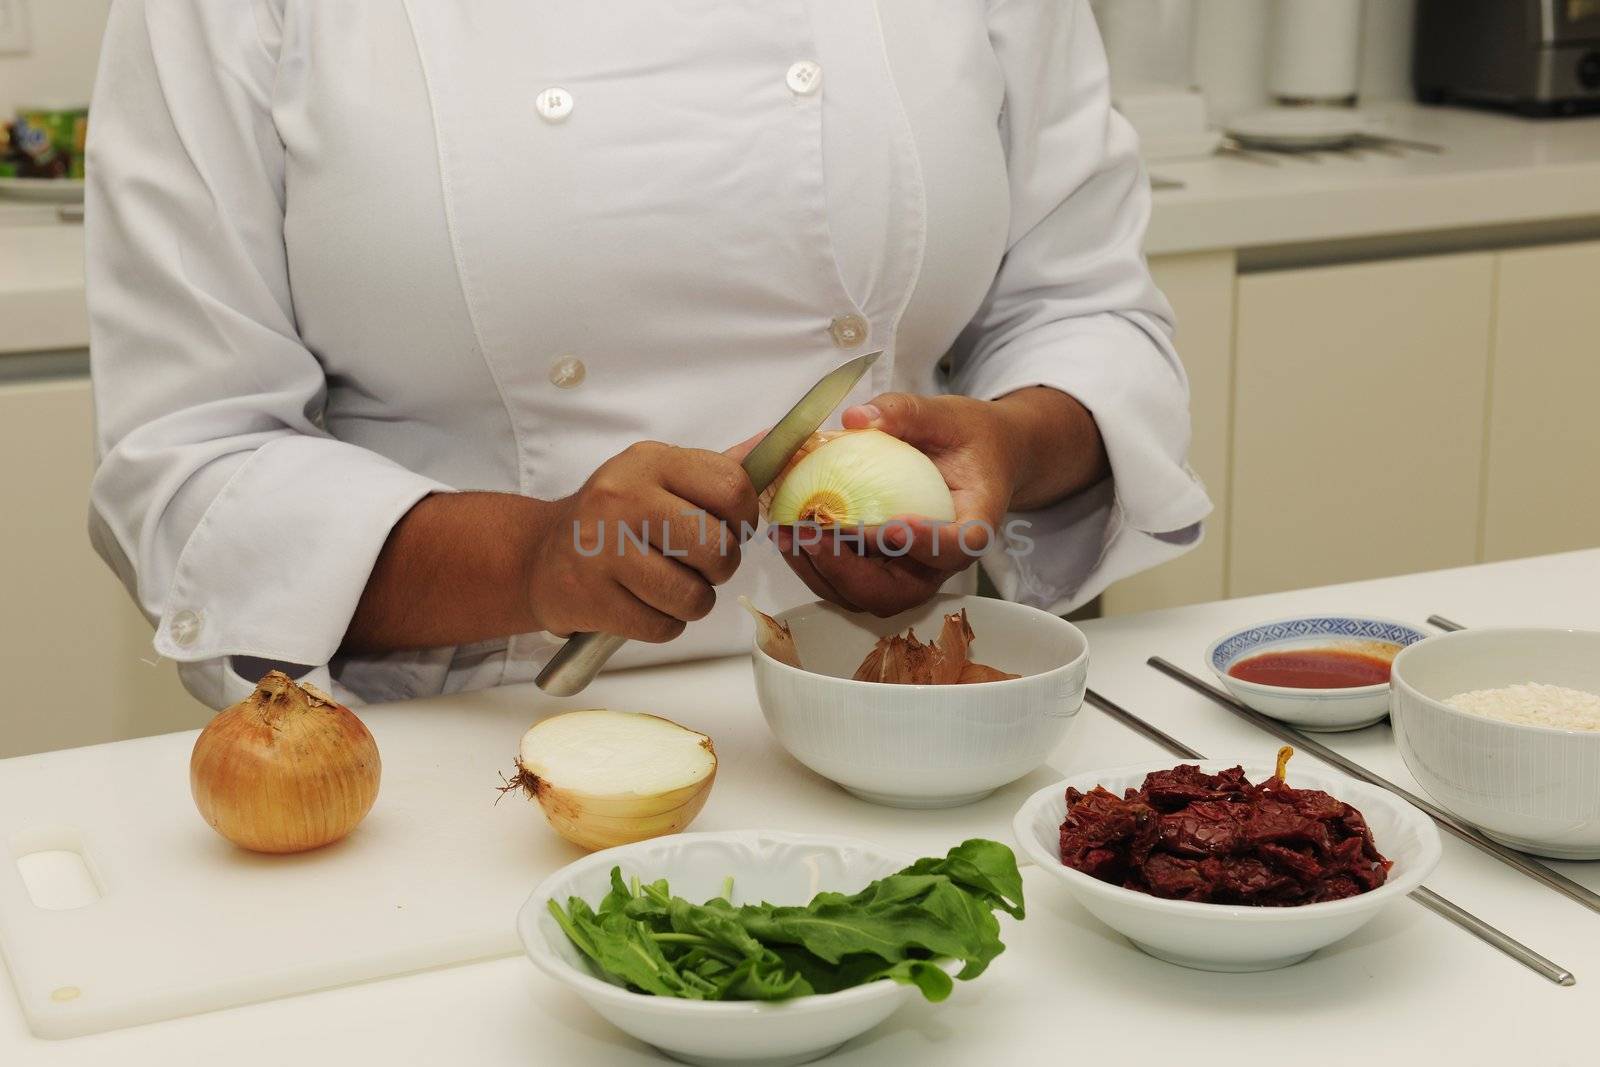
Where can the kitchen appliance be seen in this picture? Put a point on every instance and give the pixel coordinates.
(1537, 57)
(1148, 42)
(1230, 55)
(1316, 52)
(577, 662)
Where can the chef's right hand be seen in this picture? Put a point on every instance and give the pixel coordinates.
(688, 506)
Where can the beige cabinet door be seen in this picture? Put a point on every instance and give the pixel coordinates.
(1200, 287)
(1358, 420)
(74, 650)
(1541, 493)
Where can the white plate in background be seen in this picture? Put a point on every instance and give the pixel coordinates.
(1301, 128)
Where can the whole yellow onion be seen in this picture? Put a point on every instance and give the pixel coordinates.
(850, 478)
(287, 769)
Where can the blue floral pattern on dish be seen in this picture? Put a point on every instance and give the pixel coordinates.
(1271, 633)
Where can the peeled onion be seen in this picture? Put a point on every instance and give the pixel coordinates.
(287, 769)
(857, 478)
(608, 778)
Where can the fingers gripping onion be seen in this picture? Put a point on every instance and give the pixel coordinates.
(284, 770)
(857, 478)
(607, 778)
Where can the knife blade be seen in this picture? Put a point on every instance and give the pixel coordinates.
(577, 662)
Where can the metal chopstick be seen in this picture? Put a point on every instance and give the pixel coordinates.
(1448, 822)
(1456, 914)
(1489, 935)
(1442, 623)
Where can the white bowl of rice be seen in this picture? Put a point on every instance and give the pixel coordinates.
(1502, 728)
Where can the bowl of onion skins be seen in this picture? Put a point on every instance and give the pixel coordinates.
(924, 746)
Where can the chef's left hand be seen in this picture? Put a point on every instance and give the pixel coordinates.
(1025, 450)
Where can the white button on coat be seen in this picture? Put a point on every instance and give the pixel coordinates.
(567, 373)
(848, 330)
(185, 628)
(554, 104)
(279, 378)
(804, 77)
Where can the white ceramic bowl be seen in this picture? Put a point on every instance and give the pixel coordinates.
(1530, 787)
(924, 746)
(1323, 710)
(778, 868)
(1224, 937)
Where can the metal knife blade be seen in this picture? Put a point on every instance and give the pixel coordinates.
(577, 662)
(767, 459)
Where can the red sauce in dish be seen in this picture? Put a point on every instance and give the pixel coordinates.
(1313, 668)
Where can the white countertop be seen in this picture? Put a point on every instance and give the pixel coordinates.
(1066, 986)
(1495, 170)
(41, 280)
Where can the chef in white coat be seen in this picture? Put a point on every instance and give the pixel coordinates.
(388, 298)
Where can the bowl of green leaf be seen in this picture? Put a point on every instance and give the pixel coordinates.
(770, 948)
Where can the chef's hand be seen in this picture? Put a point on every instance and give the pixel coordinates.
(690, 505)
(1026, 450)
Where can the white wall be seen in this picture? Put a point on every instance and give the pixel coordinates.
(60, 67)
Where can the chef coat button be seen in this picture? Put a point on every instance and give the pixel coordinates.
(567, 373)
(554, 104)
(804, 78)
(848, 330)
(185, 628)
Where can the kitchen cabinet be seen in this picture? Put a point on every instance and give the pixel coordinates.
(1544, 437)
(1358, 420)
(1200, 288)
(76, 653)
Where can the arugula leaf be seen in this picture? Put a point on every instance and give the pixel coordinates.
(895, 929)
(985, 867)
(627, 950)
(836, 928)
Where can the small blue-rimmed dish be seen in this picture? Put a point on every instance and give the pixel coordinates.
(1327, 710)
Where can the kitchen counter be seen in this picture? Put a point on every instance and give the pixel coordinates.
(1066, 985)
(41, 280)
(1495, 171)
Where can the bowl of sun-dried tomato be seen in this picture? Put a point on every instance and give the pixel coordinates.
(1228, 867)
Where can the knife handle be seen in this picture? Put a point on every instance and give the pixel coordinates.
(577, 663)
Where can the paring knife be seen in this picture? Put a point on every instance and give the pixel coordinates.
(577, 662)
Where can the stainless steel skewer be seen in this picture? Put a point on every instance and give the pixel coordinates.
(1489, 935)
(1448, 822)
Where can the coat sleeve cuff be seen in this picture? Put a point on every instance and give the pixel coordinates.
(278, 562)
(1150, 509)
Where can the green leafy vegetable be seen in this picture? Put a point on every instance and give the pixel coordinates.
(898, 929)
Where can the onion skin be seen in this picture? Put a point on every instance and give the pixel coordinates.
(287, 769)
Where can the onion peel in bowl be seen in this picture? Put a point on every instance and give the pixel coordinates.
(607, 778)
(895, 659)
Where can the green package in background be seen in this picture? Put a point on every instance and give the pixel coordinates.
(68, 129)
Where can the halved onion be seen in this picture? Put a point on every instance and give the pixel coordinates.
(857, 478)
(608, 778)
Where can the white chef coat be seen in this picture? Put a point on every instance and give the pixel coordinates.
(346, 254)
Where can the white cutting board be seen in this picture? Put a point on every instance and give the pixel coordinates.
(187, 923)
